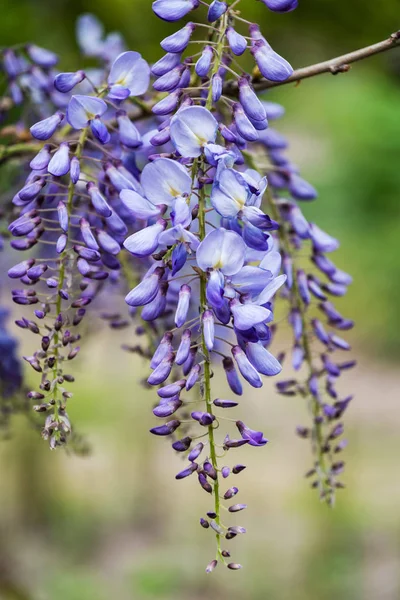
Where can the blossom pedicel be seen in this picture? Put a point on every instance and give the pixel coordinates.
(186, 199)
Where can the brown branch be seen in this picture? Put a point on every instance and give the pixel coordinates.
(340, 64)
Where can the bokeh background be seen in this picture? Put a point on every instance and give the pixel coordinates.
(116, 524)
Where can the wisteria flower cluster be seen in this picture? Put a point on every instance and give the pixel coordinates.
(168, 181)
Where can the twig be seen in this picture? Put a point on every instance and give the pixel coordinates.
(340, 64)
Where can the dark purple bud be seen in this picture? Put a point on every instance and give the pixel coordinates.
(36, 271)
(60, 163)
(209, 470)
(228, 443)
(204, 483)
(21, 268)
(211, 566)
(225, 472)
(237, 507)
(99, 130)
(205, 419)
(75, 170)
(166, 63)
(196, 451)
(238, 468)
(216, 10)
(188, 364)
(184, 347)
(204, 63)
(231, 493)
(172, 389)
(188, 471)
(166, 429)
(237, 42)
(168, 104)
(272, 66)
(204, 523)
(166, 409)
(216, 87)
(41, 160)
(234, 566)
(237, 530)
(253, 107)
(43, 130)
(225, 403)
(87, 253)
(182, 445)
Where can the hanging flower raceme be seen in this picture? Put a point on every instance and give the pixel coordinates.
(186, 200)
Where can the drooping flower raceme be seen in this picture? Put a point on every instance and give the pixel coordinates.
(185, 201)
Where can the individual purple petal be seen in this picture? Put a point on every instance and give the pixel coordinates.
(61, 243)
(193, 377)
(168, 104)
(169, 81)
(172, 389)
(87, 234)
(246, 368)
(270, 290)
(166, 429)
(173, 10)
(60, 163)
(163, 348)
(191, 129)
(188, 471)
(20, 269)
(216, 87)
(244, 126)
(232, 376)
(166, 63)
(204, 418)
(107, 242)
(75, 170)
(300, 188)
(154, 309)
(248, 315)
(138, 206)
(224, 403)
(322, 241)
(281, 6)
(178, 41)
(145, 242)
(196, 451)
(100, 204)
(63, 217)
(262, 359)
(146, 290)
(182, 445)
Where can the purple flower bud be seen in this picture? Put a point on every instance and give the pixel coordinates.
(31, 190)
(203, 65)
(315, 289)
(99, 130)
(173, 10)
(183, 305)
(36, 271)
(172, 389)
(303, 287)
(107, 242)
(205, 419)
(20, 269)
(145, 291)
(211, 566)
(65, 82)
(23, 226)
(322, 241)
(300, 188)
(178, 41)
(188, 471)
(246, 368)
(237, 507)
(166, 63)
(237, 529)
(225, 472)
(41, 159)
(320, 332)
(339, 342)
(209, 470)
(204, 523)
(63, 217)
(255, 438)
(204, 483)
(234, 566)
(228, 443)
(196, 451)
(60, 163)
(224, 403)
(251, 104)
(182, 445)
(232, 376)
(75, 170)
(168, 104)
(244, 126)
(237, 42)
(262, 360)
(43, 130)
(163, 370)
(166, 429)
(216, 10)
(272, 66)
(193, 377)
(216, 86)
(184, 347)
(100, 204)
(41, 56)
(169, 81)
(163, 348)
(145, 241)
(87, 253)
(207, 320)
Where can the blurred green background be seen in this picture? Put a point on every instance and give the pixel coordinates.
(117, 523)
